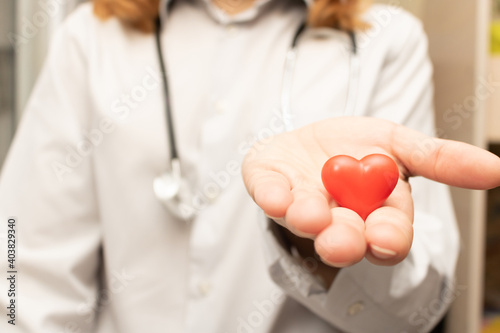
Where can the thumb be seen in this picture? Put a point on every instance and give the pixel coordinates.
(446, 161)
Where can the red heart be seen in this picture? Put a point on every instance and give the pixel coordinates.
(362, 186)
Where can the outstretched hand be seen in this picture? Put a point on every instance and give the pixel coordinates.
(283, 176)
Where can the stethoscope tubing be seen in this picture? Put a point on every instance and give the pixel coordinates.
(171, 188)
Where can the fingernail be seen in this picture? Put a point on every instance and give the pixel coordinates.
(382, 253)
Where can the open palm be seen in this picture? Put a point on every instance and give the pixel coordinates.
(283, 176)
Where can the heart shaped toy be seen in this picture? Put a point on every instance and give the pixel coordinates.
(362, 186)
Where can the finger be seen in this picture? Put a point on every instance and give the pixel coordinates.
(389, 230)
(271, 192)
(309, 212)
(389, 235)
(342, 243)
(401, 198)
(450, 162)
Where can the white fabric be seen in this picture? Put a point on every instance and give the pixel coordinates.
(79, 179)
(36, 23)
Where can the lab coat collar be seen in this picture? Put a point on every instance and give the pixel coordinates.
(220, 15)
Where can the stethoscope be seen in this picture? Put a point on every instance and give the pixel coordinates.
(171, 188)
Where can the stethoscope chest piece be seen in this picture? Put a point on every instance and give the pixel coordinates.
(174, 193)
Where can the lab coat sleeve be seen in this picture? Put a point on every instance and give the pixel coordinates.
(46, 184)
(413, 295)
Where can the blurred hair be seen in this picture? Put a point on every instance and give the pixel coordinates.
(339, 14)
(141, 14)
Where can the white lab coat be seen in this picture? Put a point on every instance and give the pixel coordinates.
(97, 252)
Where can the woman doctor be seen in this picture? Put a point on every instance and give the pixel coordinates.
(99, 252)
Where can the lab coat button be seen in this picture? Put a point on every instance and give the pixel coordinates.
(213, 197)
(232, 30)
(355, 308)
(221, 107)
(204, 287)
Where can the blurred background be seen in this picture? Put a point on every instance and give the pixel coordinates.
(464, 41)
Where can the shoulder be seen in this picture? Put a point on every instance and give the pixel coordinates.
(84, 19)
(80, 22)
(84, 29)
(384, 15)
(83, 13)
(391, 28)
